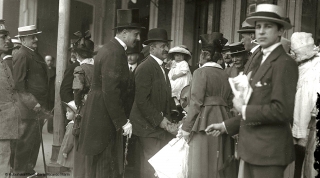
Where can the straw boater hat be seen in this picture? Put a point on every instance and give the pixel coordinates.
(157, 34)
(269, 12)
(178, 49)
(3, 29)
(246, 28)
(236, 48)
(71, 105)
(128, 18)
(27, 30)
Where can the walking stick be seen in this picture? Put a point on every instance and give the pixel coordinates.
(125, 162)
(218, 151)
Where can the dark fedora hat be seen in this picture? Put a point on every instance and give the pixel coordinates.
(157, 34)
(128, 18)
(236, 48)
(213, 42)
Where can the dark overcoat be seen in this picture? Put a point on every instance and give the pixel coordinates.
(66, 91)
(152, 100)
(30, 74)
(265, 136)
(104, 112)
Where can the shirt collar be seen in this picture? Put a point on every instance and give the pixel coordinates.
(159, 61)
(211, 64)
(268, 50)
(86, 61)
(254, 48)
(7, 56)
(28, 47)
(231, 64)
(133, 66)
(122, 43)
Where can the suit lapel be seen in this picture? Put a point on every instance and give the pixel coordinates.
(251, 60)
(267, 64)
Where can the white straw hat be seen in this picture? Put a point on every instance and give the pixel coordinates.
(178, 49)
(27, 30)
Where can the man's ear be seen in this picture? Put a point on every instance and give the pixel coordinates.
(281, 32)
(252, 36)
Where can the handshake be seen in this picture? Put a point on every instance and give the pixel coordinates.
(216, 129)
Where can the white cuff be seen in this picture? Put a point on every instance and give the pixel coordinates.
(225, 128)
(243, 112)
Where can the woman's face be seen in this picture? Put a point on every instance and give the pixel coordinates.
(178, 57)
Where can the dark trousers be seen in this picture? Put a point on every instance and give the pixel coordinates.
(26, 148)
(150, 146)
(257, 171)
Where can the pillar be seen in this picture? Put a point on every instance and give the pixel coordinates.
(153, 18)
(177, 22)
(124, 4)
(28, 12)
(62, 54)
(1, 9)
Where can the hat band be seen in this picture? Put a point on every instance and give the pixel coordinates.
(27, 32)
(267, 14)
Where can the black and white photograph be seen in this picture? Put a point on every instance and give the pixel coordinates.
(159, 88)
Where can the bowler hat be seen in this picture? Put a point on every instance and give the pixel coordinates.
(128, 18)
(236, 48)
(269, 12)
(246, 28)
(213, 42)
(27, 30)
(157, 34)
(3, 29)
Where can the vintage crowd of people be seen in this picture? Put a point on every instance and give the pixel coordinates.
(123, 104)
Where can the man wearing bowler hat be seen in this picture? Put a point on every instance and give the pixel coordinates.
(150, 113)
(265, 140)
(239, 57)
(105, 119)
(30, 76)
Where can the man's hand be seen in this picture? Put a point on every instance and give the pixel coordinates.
(164, 123)
(37, 108)
(65, 155)
(127, 129)
(238, 103)
(215, 129)
(174, 77)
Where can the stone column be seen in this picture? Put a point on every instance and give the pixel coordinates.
(1, 9)
(62, 54)
(28, 12)
(153, 18)
(177, 22)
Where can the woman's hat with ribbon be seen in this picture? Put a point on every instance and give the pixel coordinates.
(27, 30)
(128, 18)
(269, 12)
(236, 48)
(84, 43)
(213, 42)
(179, 49)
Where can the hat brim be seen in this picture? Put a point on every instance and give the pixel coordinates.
(65, 105)
(235, 52)
(17, 36)
(154, 40)
(253, 19)
(246, 31)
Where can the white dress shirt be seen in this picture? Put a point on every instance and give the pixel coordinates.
(133, 66)
(160, 62)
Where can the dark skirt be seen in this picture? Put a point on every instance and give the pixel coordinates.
(82, 163)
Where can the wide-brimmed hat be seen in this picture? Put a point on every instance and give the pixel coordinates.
(213, 42)
(302, 44)
(128, 18)
(157, 34)
(179, 49)
(3, 29)
(246, 28)
(236, 48)
(71, 105)
(27, 30)
(269, 12)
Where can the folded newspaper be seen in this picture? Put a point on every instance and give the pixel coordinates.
(240, 86)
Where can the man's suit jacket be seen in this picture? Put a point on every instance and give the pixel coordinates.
(66, 91)
(104, 109)
(130, 92)
(252, 59)
(30, 74)
(265, 136)
(152, 100)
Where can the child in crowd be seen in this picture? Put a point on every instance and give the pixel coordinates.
(66, 153)
(179, 74)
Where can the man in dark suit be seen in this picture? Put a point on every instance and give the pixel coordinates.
(150, 113)
(265, 140)
(30, 76)
(105, 119)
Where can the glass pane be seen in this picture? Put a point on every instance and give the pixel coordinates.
(251, 4)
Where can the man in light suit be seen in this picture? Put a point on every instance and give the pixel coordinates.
(265, 140)
(105, 119)
(150, 113)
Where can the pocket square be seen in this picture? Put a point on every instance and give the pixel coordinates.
(258, 84)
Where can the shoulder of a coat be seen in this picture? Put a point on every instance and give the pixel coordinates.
(78, 69)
